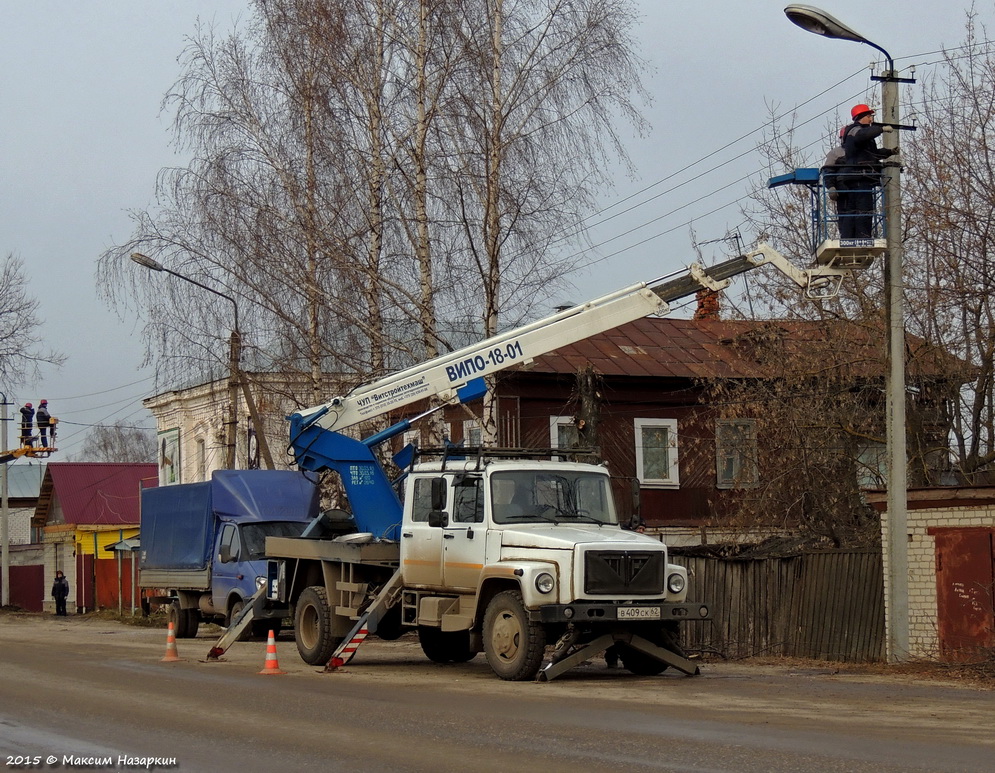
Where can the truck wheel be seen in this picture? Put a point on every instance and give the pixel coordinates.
(640, 663)
(513, 644)
(236, 608)
(193, 622)
(313, 627)
(445, 646)
(180, 620)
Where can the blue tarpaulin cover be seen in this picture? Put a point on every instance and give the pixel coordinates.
(179, 523)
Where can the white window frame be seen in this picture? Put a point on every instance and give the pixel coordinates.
(555, 422)
(673, 479)
(747, 473)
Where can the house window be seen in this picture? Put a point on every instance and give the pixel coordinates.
(872, 465)
(472, 433)
(656, 453)
(736, 453)
(411, 437)
(563, 432)
(201, 459)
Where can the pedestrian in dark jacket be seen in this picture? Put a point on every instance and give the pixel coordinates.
(60, 592)
(861, 172)
(27, 424)
(44, 420)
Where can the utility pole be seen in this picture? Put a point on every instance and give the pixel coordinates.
(4, 511)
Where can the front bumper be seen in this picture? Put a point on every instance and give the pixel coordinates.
(601, 612)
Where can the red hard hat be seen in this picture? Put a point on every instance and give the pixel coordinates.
(43, 402)
(27, 405)
(858, 110)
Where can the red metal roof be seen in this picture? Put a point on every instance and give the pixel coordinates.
(661, 348)
(92, 493)
(719, 348)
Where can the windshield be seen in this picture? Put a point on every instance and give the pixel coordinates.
(541, 496)
(254, 535)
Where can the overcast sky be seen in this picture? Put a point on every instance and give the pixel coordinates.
(83, 139)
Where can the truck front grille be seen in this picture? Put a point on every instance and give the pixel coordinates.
(624, 572)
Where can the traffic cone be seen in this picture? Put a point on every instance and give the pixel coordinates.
(272, 666)
(171, 655)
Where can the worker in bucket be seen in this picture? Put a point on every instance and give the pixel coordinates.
(861, 172)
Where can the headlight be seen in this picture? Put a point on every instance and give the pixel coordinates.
(260, 582)
(676, 583)
(545, 582)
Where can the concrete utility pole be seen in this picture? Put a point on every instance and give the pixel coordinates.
(4, 528)
(819, 22)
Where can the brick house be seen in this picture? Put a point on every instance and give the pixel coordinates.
(651, 400)
(83, 508)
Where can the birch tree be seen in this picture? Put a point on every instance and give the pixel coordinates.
(21, 346)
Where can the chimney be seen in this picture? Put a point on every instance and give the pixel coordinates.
(708, 304)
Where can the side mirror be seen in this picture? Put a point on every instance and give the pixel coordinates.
(439, 491)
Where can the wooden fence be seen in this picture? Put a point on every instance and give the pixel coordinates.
(827, 605)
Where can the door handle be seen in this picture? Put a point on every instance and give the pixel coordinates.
(408, 534)
(448, 536)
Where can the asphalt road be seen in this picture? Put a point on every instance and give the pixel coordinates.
(94, 695)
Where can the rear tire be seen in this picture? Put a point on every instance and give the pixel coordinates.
(313, 627)
(193, 622)
(180, 620)
(513, 644)
(445, 646)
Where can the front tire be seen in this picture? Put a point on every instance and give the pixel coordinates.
(233, 613)
(313, 627)
(641, 664)
(513, 644)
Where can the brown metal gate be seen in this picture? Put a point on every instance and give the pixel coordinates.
(965, 574)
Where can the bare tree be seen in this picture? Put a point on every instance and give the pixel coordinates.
(118, 442)
(949, 194)
(20, 344)
(542, 90)
(346, 188)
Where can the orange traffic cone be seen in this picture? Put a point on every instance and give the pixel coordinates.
(171, 655)
(272, 666)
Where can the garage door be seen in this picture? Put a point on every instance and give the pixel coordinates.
(965, 574)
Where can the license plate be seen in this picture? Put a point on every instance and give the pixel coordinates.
(639, 613)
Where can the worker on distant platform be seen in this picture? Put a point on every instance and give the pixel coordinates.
(862, 170)
(44, 421)
(27, 424)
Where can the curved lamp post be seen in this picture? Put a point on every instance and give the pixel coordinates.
(897, 581)
(235, 379)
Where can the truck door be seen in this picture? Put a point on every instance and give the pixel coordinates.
(421, 542)
(464, 535)
(225, 573)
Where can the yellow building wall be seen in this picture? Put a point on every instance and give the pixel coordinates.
(89, 543)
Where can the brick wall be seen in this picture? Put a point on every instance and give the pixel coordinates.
(922, 515)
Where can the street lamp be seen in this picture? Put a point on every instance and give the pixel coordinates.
(234, 369)
(897, 582)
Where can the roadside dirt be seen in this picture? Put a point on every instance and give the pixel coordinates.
(407, 663)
